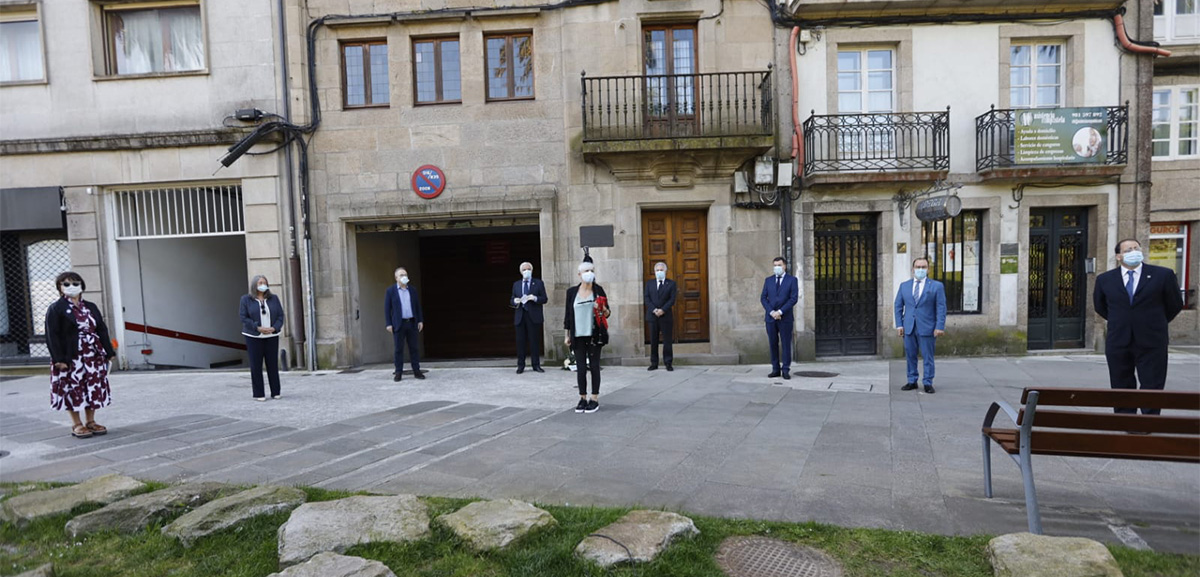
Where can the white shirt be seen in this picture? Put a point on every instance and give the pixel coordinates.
(264, 320)
(1137, 276)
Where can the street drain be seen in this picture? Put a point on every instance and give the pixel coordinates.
(763, 557)
(815, 374)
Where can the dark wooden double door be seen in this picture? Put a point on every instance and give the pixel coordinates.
(680, 239)
(1057, 278)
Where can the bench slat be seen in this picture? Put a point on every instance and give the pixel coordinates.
(1102, 445)
(1173, 424)
(1114, 398)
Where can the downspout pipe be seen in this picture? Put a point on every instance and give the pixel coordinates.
(295, 281)
(1131, 46)
(797, 128)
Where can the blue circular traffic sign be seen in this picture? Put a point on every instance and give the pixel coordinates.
(428, 181)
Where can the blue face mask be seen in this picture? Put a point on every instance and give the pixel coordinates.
(262, 288)
(660, 274)
(1132, 258)
(920, 273)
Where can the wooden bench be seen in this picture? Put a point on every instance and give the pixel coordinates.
(1066, 431)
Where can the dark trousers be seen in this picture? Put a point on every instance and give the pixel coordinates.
(925, 345)
(1151, 367)
(407, 331)
(263, 350)
(779, 334)
(666, 326)
(527, 339)
(587, 360)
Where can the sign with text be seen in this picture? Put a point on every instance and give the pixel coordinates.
(428, 181)
(1062, 136)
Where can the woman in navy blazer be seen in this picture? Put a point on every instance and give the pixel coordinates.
(262, 320)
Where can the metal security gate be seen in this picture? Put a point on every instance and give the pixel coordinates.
(31, 262)
(845, 274)
(1057, 279)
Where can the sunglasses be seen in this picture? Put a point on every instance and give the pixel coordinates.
(264, 308)
(72, 284)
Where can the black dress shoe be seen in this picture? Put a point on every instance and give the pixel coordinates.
(929, 390)
(395, 377)
(521, 370)
(909, 387)
(652, 368)
(787, 376)
(670, 368)
(773, 375)
(419, 374)
(538, 370)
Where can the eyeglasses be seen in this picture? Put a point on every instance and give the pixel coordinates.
(71, 284)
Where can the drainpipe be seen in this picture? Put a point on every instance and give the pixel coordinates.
(785, 201)
(295, 298)
(1127, 44)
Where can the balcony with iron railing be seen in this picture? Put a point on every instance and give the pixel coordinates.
(996, 147)
(711, 111)
(876, 147)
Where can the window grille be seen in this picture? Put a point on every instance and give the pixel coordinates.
(179, 212)
(954, 250)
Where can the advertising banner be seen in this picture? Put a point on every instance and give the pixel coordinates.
(1062, 136)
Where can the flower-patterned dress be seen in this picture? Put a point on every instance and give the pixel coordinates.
(84, 384)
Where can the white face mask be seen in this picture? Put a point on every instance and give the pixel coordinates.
(1132, 258)
(588, 277)
(526, 274)
(660, 274)
(262, 288)
(72, 291)
(402, 280)
(778, 271)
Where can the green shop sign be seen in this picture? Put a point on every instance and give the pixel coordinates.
(1062, 136)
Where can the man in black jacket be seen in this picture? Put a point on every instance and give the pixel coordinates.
(660, 299)
(528, 296)
(1138, 301)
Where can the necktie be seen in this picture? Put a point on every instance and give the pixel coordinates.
(659, 285)
(1129, 286)
(526, 287)
(917, 290)
(778, 281)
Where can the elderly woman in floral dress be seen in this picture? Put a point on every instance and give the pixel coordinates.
(80, 349)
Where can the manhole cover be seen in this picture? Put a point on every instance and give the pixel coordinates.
(815, 374)
(763, 557)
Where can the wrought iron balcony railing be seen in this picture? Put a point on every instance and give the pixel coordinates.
(995, 138)
(677, 106)
(878, 142)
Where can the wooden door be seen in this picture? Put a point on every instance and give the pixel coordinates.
(680, 239)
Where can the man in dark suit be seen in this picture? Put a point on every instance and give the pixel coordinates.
(1137, 300)
(920, 311)
(780, 293)
(402, 311)
(528, 296)
(659, 297)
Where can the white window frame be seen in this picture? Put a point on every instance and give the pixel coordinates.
(105, 66)
(1181, 235)
(864, 78)
(1167, 21)
(1033, 66)
(1174, 105)
(27, 13)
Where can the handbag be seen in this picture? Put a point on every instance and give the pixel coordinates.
(601, 322)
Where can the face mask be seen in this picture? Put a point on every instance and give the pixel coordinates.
(921, 273)
(588, 277)
(403, 280)
(778, 271)
(526, 274)
(72, 291)
(1132, 258)
(262, 288)
(660, 274)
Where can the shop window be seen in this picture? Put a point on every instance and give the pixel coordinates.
(509, 72)
(955, 251)
(365, 74)
(20, 45)
(1169, 248)
(438, 77)
(162, 37)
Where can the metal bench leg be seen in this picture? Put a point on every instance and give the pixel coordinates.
(1031, 504)
(987, 467)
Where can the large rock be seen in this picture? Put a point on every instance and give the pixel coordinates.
(495, 524)
(46, 570)
(1029, 555)
(26, 507)
(136, 513)
(338, 525)
(229, 511)
(334, 565)
(645, 533)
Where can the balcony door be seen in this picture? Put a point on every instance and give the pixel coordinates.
(669, 61)
(867, 91)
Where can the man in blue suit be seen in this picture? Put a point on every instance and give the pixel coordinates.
(528, 296)
(402, 311)
(780, 293)
(920, 319)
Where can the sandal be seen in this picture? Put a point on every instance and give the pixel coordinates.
(81, 432)
(96, 428)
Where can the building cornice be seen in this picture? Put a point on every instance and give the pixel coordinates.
(110, 142)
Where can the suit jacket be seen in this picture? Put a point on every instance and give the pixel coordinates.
(62, 332)
(250, 313)
(921, 317)
(1155, 303)
(782, 298)
(532, 308)
(659, 299)
(392, 306)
